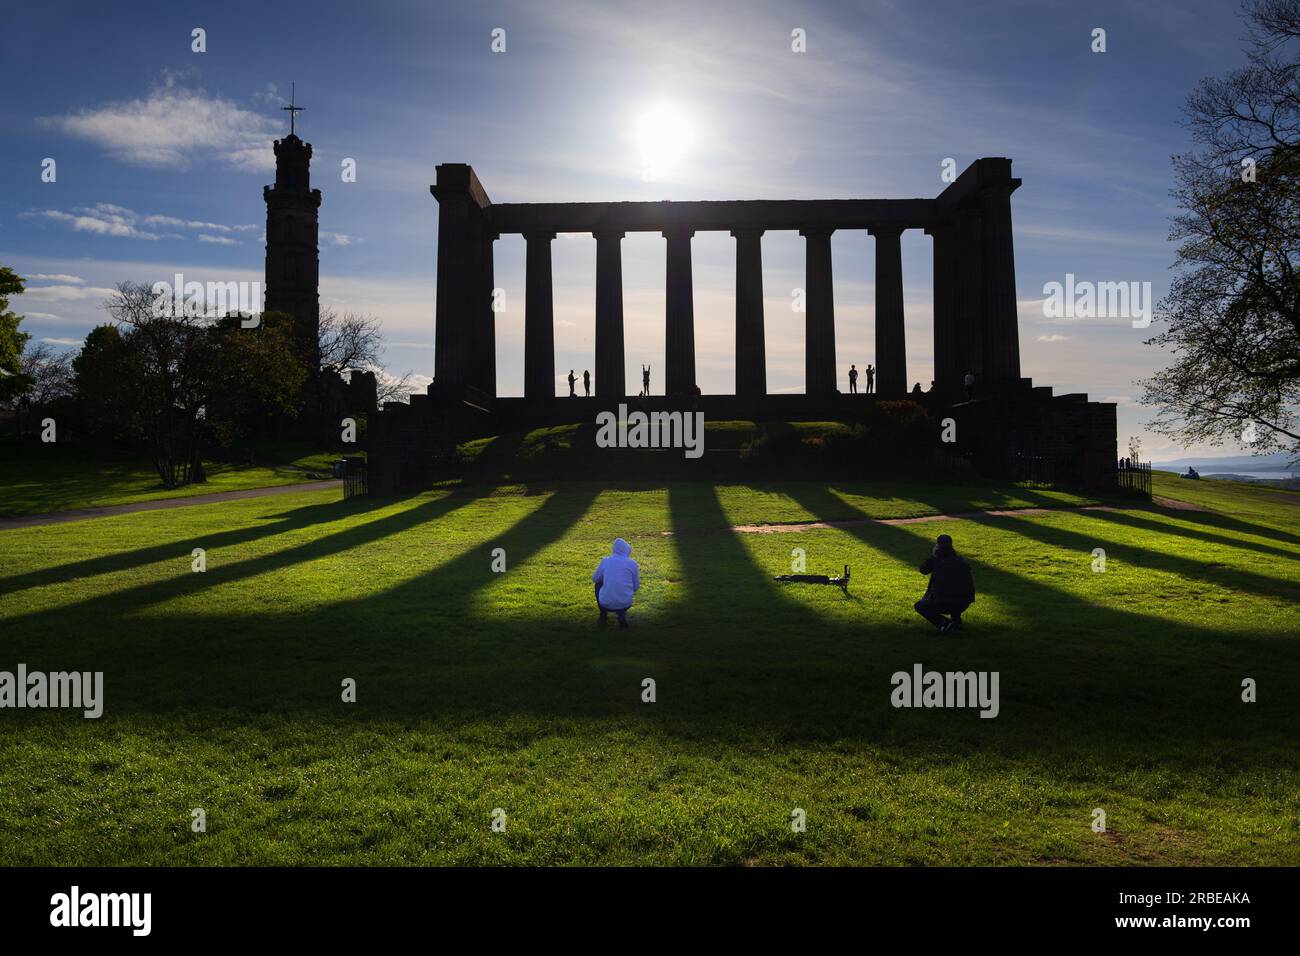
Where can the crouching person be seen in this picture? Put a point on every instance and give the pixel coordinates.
(617, 579)
(951, 589)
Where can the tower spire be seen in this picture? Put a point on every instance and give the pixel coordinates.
(293, 108)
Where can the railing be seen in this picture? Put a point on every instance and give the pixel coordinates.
(354, 478)
(1133, 475)
(1034, 469)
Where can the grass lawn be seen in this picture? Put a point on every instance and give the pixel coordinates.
(36, 478)
(475, 690)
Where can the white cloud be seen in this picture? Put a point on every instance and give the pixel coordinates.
(107, 219)
(173, 127)
(1053, 338)
(218, 240)
(65, 293)
(338, 238)
(54, 277)
(102, 220)
(62, 341)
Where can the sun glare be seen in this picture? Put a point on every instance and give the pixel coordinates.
(664, 135)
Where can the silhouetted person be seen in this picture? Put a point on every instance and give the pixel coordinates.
(617, 579)
(645, 379)
(951, 589)
(572, 380)
(969, 381)
(586, 381)
(853, 380)
(871, 379)
(916, 389)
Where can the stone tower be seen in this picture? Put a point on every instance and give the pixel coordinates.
(292, 244)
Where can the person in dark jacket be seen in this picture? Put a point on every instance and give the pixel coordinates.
(951, 589)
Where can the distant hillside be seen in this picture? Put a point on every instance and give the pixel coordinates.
(1278, 461)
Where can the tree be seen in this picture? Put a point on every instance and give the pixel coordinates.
(177, 380)
(1232, 314)
(50, 372)
(103, 373)
(354, 343)
(12, 342)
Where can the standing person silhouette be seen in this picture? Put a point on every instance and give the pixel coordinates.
(645, 379)
(871, 379)
(586, 381)
(853, 380)
(572, 380)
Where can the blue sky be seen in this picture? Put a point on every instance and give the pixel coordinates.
(162, 154)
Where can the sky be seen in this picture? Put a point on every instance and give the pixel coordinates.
(161, 154)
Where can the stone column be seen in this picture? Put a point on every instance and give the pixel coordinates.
(462, 208)
(891, 340)
(679, 319)
(610, 362)
(539, 318)
(751, 348)
(968, 299)
(819, 314)
(487, 324)
(947, 376)
(1001, 327)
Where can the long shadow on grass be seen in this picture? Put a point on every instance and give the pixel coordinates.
(286, 521)
(1221, 521)
(1076, 673)
(1259, 584)
(116, 603)
(1223, 525)
(737, 658)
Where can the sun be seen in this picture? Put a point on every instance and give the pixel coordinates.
(664, 134)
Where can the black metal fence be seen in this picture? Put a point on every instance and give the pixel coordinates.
(354, 478)
(1033, 469)
(1133, 475)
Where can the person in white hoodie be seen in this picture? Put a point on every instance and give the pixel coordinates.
(617, 579)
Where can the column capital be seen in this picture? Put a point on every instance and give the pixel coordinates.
(539, 234)
(745, 232)
(817, 232)
(939, 228)
(885, 230)
(608, 232)
(678, 232)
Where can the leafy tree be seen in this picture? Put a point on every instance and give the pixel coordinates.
(1232, 316)
(178, 381)
(12, 380)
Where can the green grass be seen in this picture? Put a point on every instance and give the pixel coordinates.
(36, 478)
(479, 690)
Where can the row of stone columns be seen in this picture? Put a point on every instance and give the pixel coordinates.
(679, 352)
(975, 321)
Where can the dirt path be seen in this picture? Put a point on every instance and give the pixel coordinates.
(162, 504)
